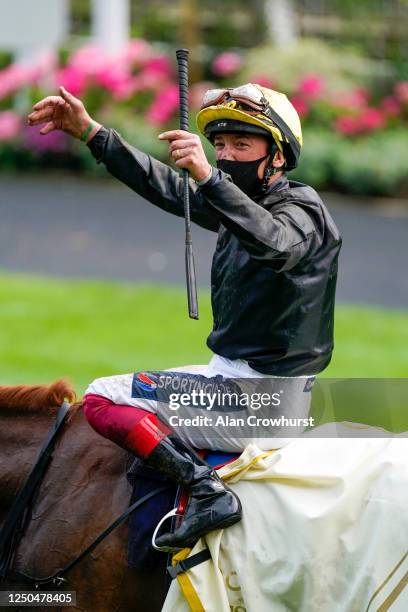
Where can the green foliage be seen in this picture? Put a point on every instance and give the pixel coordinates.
(166, 22)
(13, 158)
(5, 59)
(80, 12)
(316, 160)
(152, 23)
(137, 131)
(374, 164)
(340, 70)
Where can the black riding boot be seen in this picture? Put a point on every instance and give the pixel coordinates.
(211, 504)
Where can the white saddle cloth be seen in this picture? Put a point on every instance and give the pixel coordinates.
(325, 529)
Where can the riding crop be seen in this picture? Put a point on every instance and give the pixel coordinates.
(182, 61)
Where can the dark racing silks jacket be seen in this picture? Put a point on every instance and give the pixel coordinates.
(274, 269)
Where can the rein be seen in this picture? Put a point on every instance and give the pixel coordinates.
(13, 525)
(15, 518)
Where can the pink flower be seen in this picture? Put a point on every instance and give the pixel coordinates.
(352, 100)
(137, 52)
(300, 105)
(164, 106)
(311, 86)
(114, 79)
(19, 75)
(46, 61)
(360, 96)
(89, 60)
(150, 80)
(372, 119)
(125, 88)
(13, 78)
(263, 81)
(44, 66)
(54, 142)
(368, 120)
(391, 106)
(347, 125)
(401, 91)
(10, 124)
(73, 79)
(155, 73)
(160, 65)
(226, 63)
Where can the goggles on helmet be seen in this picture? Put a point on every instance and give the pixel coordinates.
(245, 94)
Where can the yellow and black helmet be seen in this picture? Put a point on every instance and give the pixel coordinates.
(253, 109)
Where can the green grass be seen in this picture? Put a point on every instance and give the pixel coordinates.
(85, 329)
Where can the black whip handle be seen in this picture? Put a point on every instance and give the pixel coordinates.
(182, 61)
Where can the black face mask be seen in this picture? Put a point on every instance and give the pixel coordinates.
(244, 174)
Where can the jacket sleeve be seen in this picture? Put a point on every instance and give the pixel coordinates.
(151, 179)
(279, 240)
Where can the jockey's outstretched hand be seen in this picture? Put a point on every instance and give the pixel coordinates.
(187, 152)
(66, 113)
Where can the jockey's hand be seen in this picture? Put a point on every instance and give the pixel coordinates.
(63, 112)
(187, 152)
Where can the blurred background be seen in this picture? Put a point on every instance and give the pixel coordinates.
(92, 277)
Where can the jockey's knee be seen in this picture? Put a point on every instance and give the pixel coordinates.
(95, 408)
(113, 421)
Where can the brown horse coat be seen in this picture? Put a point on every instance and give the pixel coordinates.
(83, 491)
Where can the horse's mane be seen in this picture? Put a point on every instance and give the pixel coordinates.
(39, 399)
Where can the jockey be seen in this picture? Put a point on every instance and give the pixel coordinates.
(273, 278)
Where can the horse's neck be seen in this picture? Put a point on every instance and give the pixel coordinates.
(83, 490)
(21, 437)
(78, 450)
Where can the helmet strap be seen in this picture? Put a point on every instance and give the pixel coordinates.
(270, 169)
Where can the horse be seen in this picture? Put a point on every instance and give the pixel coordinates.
(84, 489)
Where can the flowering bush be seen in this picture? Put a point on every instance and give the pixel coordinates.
(226, 64)
(351, 113)
(10, 125)
(137, 92)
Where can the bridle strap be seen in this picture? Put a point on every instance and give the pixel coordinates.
(58, 578)
(15, 516)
